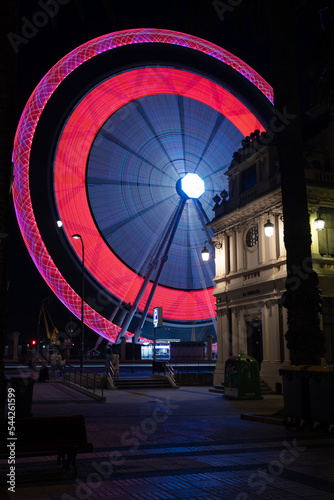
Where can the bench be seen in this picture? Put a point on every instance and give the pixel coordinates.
(64, 436)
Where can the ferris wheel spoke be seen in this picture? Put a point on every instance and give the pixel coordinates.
(221, 168)
(181, 116)
(97, 181)
(112, 138)
(155, 134)
(219, 121)
(190, 256)
(108, 231)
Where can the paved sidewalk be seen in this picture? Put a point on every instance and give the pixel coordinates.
(177, 444)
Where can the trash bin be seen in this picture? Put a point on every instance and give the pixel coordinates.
(242, 378)
(296, 394)
(321, 387)
(23, 387)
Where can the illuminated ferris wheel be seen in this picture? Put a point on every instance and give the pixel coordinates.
(105, 144)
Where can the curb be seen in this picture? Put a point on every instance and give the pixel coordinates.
(268, 419)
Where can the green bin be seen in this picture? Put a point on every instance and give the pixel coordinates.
(242, 378)
(296, 393)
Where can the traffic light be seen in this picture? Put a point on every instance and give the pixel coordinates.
(33, 342)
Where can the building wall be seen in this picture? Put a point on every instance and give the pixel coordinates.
(250, 276)
(249, 286)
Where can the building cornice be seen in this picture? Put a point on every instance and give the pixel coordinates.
(317, 195)
(243, 216)
(236, 167)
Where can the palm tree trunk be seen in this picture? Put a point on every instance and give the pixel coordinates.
(302, 298)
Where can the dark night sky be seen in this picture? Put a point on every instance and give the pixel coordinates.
(75, 23)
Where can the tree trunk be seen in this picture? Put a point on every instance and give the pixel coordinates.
(302, 299)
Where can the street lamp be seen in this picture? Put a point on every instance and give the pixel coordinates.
(319, 223)
(205, 253)
(268, 228)
(79, 237)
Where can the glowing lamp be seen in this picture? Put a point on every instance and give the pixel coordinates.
(192, 185)
(269, 229)
(319, 223)
(205, 254)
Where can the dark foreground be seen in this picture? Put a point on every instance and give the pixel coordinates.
(177, 444)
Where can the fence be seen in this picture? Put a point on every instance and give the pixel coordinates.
(84, 378)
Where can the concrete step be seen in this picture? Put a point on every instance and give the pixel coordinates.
(142, 382)
(218, 389)
(265, 389)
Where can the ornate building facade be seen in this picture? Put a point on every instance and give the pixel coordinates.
(251, 266)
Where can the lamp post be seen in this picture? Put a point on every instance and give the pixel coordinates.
(205, 253)
(268, 228)
(79, 237)
(319, 223)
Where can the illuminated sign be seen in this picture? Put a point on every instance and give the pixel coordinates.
(157, 317)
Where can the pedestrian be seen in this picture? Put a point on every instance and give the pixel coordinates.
(60, 365)
(54, 367)
(43, 373)
(115, 363)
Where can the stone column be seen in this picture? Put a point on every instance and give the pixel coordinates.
(223, 349)
(209, 347)
(282, 251)
(262, 242)
(219, 337)
(235, 338)
(274, 333)
(242, 330)
(219, 258)
(272, 244)
(239, 250)
(265, 333)
(232, 250)
(225, 256)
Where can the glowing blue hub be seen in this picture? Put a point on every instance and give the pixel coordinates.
(192, 185)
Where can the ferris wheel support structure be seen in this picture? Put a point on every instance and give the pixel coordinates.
(167, 241)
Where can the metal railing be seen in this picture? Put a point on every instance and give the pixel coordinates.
(84, 378)
(170, 370)
(110, 370)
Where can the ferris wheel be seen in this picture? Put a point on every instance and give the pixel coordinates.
(106, 145)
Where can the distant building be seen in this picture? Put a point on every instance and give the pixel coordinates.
(251, 267)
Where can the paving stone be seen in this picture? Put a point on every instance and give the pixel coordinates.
(202, 451)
